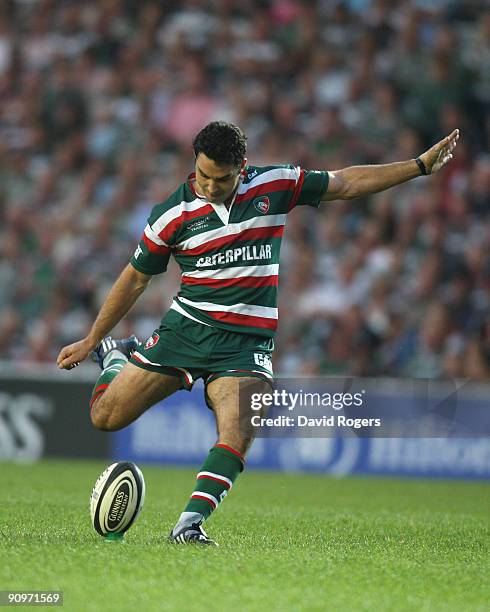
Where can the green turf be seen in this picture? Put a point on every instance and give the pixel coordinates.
(290, 542)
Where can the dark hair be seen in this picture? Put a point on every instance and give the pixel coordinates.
(223, 142)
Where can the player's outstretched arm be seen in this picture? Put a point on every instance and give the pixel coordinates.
(123, 294)
(357, 181)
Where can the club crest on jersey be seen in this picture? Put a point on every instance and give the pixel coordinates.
(262, 204)
(152, 340)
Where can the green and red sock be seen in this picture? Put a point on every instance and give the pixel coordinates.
(107, 376)
(215, 479)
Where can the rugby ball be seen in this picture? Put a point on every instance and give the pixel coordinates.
(117, 498)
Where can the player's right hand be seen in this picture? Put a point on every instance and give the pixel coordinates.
(70, 356)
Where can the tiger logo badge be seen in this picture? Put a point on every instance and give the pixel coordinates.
(152, 340)
(262, 204)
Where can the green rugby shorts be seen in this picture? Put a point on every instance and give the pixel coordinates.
(191, 350)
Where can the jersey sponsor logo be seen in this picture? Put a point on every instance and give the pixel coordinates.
(199, 224)
(138, 252)
(245, 253)
(261, 359)
(152, 340)
(262, 204)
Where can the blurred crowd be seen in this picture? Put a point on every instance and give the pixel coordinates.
(101, 99)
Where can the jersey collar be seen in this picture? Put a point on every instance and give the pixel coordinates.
(191, 182)
(221, 210)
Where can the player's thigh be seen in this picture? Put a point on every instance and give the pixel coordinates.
(229, 397)
(132, 391)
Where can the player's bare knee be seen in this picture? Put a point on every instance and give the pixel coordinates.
(99, 420)
(238, 441)
(106, 422)
(104, 419)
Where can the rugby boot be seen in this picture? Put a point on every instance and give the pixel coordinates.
(108, 345)
(191, 534)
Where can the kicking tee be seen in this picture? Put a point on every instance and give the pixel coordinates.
(229, 259)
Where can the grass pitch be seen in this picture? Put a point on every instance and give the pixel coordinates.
(287, 542)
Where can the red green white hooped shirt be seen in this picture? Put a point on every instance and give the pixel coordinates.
(229, 257)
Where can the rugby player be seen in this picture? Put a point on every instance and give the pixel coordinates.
(224, 227)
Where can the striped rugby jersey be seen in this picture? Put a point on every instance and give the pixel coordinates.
(229, 258)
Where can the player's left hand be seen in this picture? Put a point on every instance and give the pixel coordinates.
(441, 153)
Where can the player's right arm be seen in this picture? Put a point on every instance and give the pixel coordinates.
(150, 258)
(123, 294)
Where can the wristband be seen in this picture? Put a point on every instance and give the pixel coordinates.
(421, 165)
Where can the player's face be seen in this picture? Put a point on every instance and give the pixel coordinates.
(215, 181)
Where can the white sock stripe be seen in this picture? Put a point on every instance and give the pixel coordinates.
(217, 476)
(113, 355)
(117, 367)
(207, 496)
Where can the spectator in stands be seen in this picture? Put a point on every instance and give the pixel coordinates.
(100, 99)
